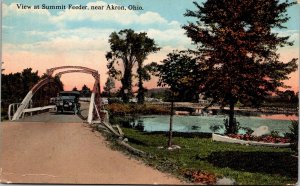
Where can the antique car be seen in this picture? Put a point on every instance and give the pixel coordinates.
(68, 101)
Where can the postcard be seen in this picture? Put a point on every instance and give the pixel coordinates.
(170, 92)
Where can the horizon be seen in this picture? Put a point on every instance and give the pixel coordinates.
(42, 39)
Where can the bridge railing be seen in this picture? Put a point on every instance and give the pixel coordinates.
(12, 108)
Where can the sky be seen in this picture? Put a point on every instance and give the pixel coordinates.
(46, 38)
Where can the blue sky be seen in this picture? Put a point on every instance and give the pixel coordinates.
(43, 39)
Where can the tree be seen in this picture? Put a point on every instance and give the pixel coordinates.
(182, 73)
(128, 48)
(146, 47)
(109, 85)
(75, 89)
(29, 79)
(236, 41)
(85, 91)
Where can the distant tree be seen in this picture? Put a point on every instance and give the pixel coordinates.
(15, 86)
(128, 48)
(29, 79)
(109, 86)
(236, 42)
(288, 96)
(75, 89)
(85, 91)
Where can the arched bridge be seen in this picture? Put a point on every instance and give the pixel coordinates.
(49, 82)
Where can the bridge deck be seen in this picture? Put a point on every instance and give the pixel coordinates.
(61, 153)
(58, 148)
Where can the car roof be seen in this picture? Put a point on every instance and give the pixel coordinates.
(70, 92)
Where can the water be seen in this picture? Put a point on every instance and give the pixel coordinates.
(203, 123)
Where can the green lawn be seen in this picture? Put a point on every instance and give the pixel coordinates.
(246, 164)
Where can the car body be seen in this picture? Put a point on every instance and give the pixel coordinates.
(68, 101)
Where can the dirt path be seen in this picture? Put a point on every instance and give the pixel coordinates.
(61, 153)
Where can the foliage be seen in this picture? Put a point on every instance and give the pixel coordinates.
(182, 73)
(15, 86)
(265, 138)
(247, 129)
(234, 129)
(74, 89)
(147, 47)
(294, 135)
(134, 109)
(128, 48)
(85, 91)
(275, 134)
(215, 128)
(288, 96)
(237, 46)
(109, 85)
(201, 177)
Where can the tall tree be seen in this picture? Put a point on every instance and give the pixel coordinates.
(128, 48)
(146, 46)
(237, 42)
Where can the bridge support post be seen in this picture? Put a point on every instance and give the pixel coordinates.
(92, 102)
(22, 106)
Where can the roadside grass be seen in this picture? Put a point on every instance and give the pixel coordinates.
(247, 165)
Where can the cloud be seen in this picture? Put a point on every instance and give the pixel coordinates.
(173, 37)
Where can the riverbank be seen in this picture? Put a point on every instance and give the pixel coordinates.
(187, 108)
(244, 164)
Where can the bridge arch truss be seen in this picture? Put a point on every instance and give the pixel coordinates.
(95, 101)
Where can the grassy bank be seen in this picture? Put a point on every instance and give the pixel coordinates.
(133, 109)
(245, 164)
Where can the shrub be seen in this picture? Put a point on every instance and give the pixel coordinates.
(215, 128)
(294, 135)
(248, 130)
(134, 109)
(236, 126)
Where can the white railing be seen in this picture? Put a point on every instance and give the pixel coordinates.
(12, 108)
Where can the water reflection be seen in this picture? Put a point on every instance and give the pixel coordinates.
(280, 116)
(212, 123)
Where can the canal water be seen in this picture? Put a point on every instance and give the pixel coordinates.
(278, 122)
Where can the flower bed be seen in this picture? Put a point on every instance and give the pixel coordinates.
(267, 139)
(242, 139)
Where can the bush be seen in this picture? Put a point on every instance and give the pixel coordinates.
(248, 130)
(134, 109)
(294, 135)
(215, 128)
(236, 126)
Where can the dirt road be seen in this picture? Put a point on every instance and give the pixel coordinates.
(61, 153)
